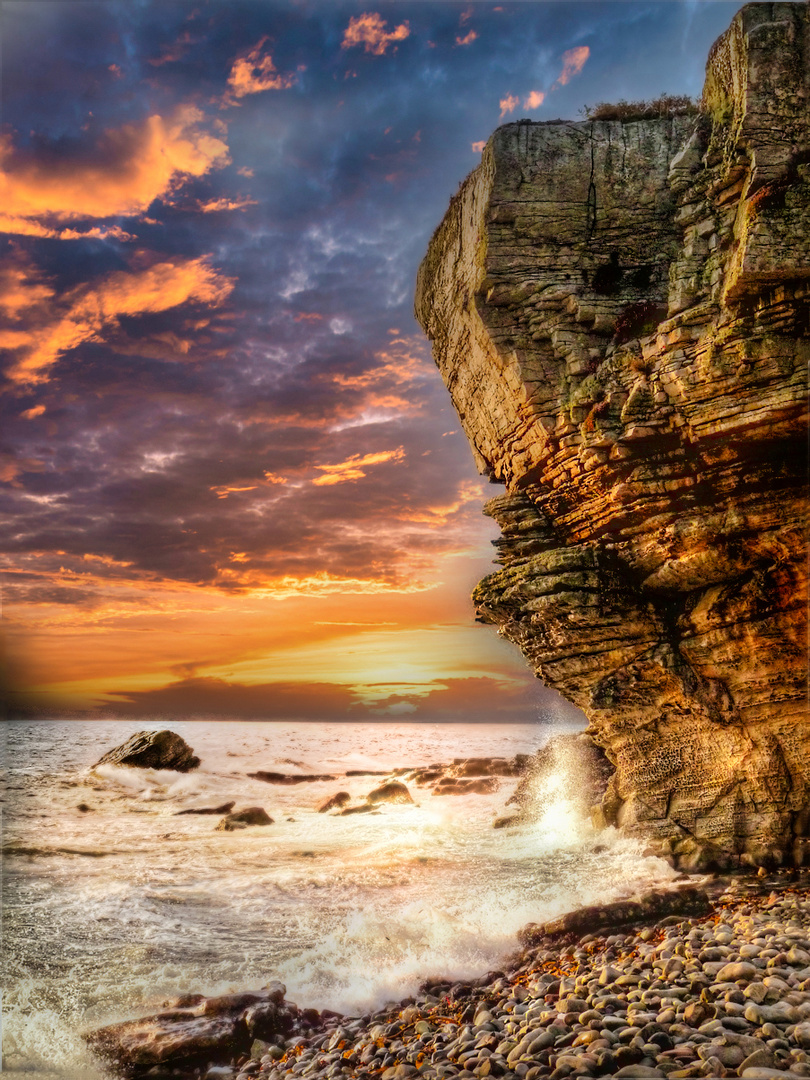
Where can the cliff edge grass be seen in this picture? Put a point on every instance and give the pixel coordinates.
(620, 311)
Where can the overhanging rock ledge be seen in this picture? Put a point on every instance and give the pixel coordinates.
(621, 313)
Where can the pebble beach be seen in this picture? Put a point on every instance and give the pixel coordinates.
(723, 993)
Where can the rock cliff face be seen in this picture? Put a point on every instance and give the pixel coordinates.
(621, 313)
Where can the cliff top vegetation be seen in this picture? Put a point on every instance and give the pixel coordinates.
(663, 105)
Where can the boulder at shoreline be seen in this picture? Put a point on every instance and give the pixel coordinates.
(153, 750)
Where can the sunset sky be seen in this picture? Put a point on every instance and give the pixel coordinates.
(232, 480)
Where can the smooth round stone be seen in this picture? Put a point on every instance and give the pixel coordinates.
(640, 1071)
(739, 972)
(757, 1073)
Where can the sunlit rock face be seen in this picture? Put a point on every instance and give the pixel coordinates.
(621, 313)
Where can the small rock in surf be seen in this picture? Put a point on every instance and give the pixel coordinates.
(336, 802)
(251, 815)
(392, 792)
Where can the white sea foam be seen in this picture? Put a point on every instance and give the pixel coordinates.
(349, 912)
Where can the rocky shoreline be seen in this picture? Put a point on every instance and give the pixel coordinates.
(710, 980)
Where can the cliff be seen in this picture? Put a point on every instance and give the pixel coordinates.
(621, 314)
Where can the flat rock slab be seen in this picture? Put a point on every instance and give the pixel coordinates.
(153, 750)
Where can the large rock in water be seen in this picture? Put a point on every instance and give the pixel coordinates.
(195, 1029)
(153, 750)
(621, 313)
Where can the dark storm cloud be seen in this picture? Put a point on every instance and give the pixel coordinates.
(180, 423)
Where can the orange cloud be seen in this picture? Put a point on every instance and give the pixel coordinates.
(19, 287)
(439, 516)
(395, 368)
(573, 63)
(32, 414)
(352, 468)
(11, 467)
(369, 31)
(534, 100)
(215, 205)
(254, 72)
(93, 311)
(227, 489)
(478, 147)
(508, 104)
(18, 226)
(126, 170)
(468, 39)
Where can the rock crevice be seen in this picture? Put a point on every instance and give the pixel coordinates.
(621, 313)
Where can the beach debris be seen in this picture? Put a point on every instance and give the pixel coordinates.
(153, 750)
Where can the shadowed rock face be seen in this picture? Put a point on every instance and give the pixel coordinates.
(621, 313)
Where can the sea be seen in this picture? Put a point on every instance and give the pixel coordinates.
(110, 911)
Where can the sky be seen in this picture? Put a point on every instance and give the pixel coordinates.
(232, 480)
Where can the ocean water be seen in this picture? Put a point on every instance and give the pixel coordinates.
(109, 912)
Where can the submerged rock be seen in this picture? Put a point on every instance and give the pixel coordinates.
(153, 750)
(251, 815)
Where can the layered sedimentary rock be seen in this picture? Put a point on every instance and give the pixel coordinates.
(621, 313)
